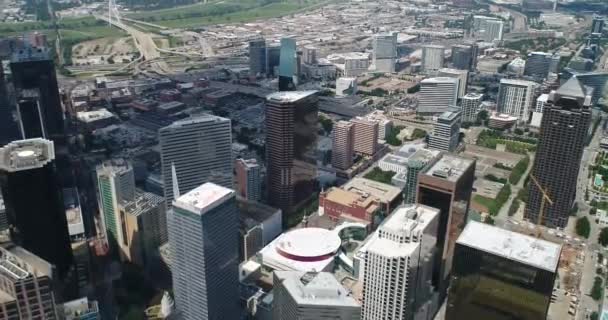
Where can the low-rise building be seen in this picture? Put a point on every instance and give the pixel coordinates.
(340, 204)
(388, 196)
(501, 121)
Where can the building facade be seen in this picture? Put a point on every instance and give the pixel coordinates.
(203, 233)
(291, 140)
(385, 52)
(446, 132)
(464, 56)
(432, 57)
(470, 106)
(515, 98)
(288, 65)
(200, 150)
(257, 57)
(461, 75)
(415, 164)
(564, 128)
(343, 145)
(500, 274)
(437, 95)
(248, 179)
(34, 202)
(365, 136)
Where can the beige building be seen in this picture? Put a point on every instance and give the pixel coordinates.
(366, 136)
(343, 146)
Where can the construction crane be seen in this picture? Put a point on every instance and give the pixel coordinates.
(541, 213)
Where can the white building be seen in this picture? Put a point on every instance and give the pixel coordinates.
(432, 57)
(540, 102)
(350, 64)
(385, 125)
(397, 161)
(311, 295)
(200, 150)
(346, 86)
(445, 132)
(385, 52)
(437, 95)
(515, 98)
(461, 75)
(397, 263)
(517, 66)
(470, 106)
(487, 28)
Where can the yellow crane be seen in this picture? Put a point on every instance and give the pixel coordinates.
(541, 213)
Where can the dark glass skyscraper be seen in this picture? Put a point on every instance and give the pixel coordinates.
(37, 95)
(446, 183)
(257, 57)
(564, 127)
(291, 138)
(501, 275)
(464, 56)
(8, 131)
(33, 200)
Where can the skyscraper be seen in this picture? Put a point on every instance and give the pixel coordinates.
(432, 57)
(257, 57)
(515, 98)
(493, 30)
(33, 200)
(291, 139)
(287, 65)
(437, 95)
(470, 105)
(415, 164)
(365, 136)
(596, 80)
(203, 235)
(598, 23)
(446, 131)
(26, 285)
(200, 150)
(248, 179)
(385, 52)
(343, 146)
(10, 131)
(311, 295)
(398, 264)
(446, 183)
(500, 274)
(464, 56)
(461, 75)
(116, 184)
(564, 126)
(37, 93)
(539, 64)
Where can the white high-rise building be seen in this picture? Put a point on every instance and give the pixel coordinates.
(312, 295)
(461, 75)
(470, 105)
(203, 236)
(437, 95)
(445, 132)
(540, 102)
(487, 28)
(432, 57)
(200, 150)
(515, 98)
(397, 263)
(385, 52)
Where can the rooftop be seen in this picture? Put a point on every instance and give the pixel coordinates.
(517, 82)
(312, 288)
(26, 154)
(449, 115)
(203, 198)
(439, 80)
(289, 96)
(143, 202)
(384, 192)
(199, 118)
(90, 116)
(434, 46)
(543, 97)
(511, 245)
(409, 219)
(472, 95)
(449, 167)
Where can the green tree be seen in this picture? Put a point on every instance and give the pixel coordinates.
(380, 175)
(593, 211)
(583, 227)
(603, 239)
(594, 316)
(597, 291)
(489, 220)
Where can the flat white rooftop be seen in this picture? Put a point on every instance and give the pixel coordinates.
(316, 288)
(289, 96)
(511, 245)
(517, 82)
(449, 167)
(203, 198)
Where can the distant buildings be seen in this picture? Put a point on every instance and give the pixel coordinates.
(564, 127)
(432, 57)
(203, 229)
(446, 132)
(290, 160)
(34, 202)
(446, 183)
(248, 179)
(343, 145)
(346, 86)
(397, 263)
(288, 65)
(487, 28)
(10, 130)
(311, 295)
(26, 285)
(470, 106)
(437, 95)
(365, 136)
(501, 121)
(81, 309)
(596, 80)
(541, 101)
(515, 98)
(385, 52)
(464, 56)
(461, 75)
(517, 66)
(257, 57)
(598, 23)
(489, 262)
(350, 64)
(200, 150)
(539, 64)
